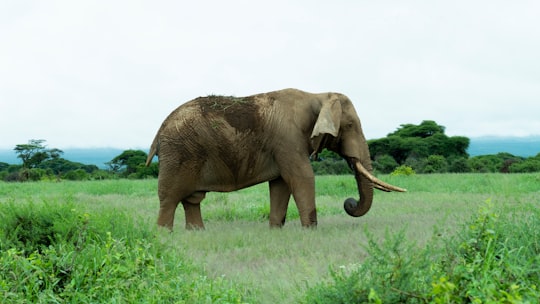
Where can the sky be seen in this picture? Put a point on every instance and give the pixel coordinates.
(107, 73)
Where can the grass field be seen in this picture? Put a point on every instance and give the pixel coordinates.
(238, 255)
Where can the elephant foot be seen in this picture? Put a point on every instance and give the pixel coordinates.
(195, 227)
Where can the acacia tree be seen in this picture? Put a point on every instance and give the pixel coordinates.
(128, 162)
(35, 152)
(412, 145)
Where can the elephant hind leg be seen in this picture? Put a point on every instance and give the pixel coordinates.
(192, 209)
(279, 201)
(167, 209)
(171, 191)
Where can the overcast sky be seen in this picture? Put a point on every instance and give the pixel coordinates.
(106, 73)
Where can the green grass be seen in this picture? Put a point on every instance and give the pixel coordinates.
(238, 258)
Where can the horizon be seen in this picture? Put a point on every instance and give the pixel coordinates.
(72, 147)
(8, 155)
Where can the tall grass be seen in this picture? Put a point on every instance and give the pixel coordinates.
(238, 256)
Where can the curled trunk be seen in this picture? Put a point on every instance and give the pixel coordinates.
(365, 182)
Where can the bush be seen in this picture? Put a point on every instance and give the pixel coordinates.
(403, 170)
(493, 260)
(385, 164)
(459, 165)
(330, 167)
(528, 165)
(53, 253)
(78, 174)
(436, 164)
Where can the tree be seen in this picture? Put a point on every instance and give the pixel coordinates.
(426, 129)
(128, 162)
(330, 163)
(500, 162)
(459, 165)
(385, 164)
(531, 164)
(436, 164)
(413, 144)
(35, 152)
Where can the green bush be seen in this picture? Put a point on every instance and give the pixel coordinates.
(330, 167)
(403, 170)
(528, 165)
(436, 164)
(495, 259)
(385, 164)
(51, 253)
(77, 174)
(459, 165)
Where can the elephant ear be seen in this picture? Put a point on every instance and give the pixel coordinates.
(327, 123)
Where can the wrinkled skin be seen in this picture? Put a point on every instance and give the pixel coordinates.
(220, 143)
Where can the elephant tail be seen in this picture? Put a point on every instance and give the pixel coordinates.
(153, 151)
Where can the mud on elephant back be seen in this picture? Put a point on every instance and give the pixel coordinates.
(226, 143)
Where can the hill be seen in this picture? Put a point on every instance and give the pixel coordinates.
(519, 146)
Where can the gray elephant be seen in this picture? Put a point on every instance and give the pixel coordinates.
(225, 143)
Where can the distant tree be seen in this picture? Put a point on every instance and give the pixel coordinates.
(330, 163)
(459, 165)
(385, 164)
(128, 162)
(531, 164)
(425, 129)
(35, 152)
(413, 144)
(436, 164)
(62, 166)
(500, 162)
(77, 174)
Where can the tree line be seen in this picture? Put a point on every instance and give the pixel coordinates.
(41, 163)
(423, 149)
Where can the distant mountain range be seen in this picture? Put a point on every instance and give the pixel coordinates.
(519, 146)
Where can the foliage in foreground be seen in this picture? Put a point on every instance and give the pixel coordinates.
(54, 253)
(496, 259)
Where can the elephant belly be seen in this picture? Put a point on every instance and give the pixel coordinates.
(226, 175)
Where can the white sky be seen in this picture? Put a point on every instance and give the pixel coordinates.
(106, 73)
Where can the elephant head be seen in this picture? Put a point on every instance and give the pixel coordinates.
(338, 128)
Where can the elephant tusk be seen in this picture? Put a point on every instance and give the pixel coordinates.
(379, 184)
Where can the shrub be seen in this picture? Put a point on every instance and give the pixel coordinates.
(528, 165)
(436, 164)
(53, 253)
(493, 260)
(385, 163)
(403, 170)
(459, 165)
(77, 174)
(330, 167)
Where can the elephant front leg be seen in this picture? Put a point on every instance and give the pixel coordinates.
(279, 201)
(303, 191)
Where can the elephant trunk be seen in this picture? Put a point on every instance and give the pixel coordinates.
(359, 207)
(366, 182)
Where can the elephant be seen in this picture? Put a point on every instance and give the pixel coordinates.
(226, 143)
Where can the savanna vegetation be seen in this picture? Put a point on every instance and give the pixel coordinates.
(424, 148)
(411, 149)
(42, 163)
(452, 238)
